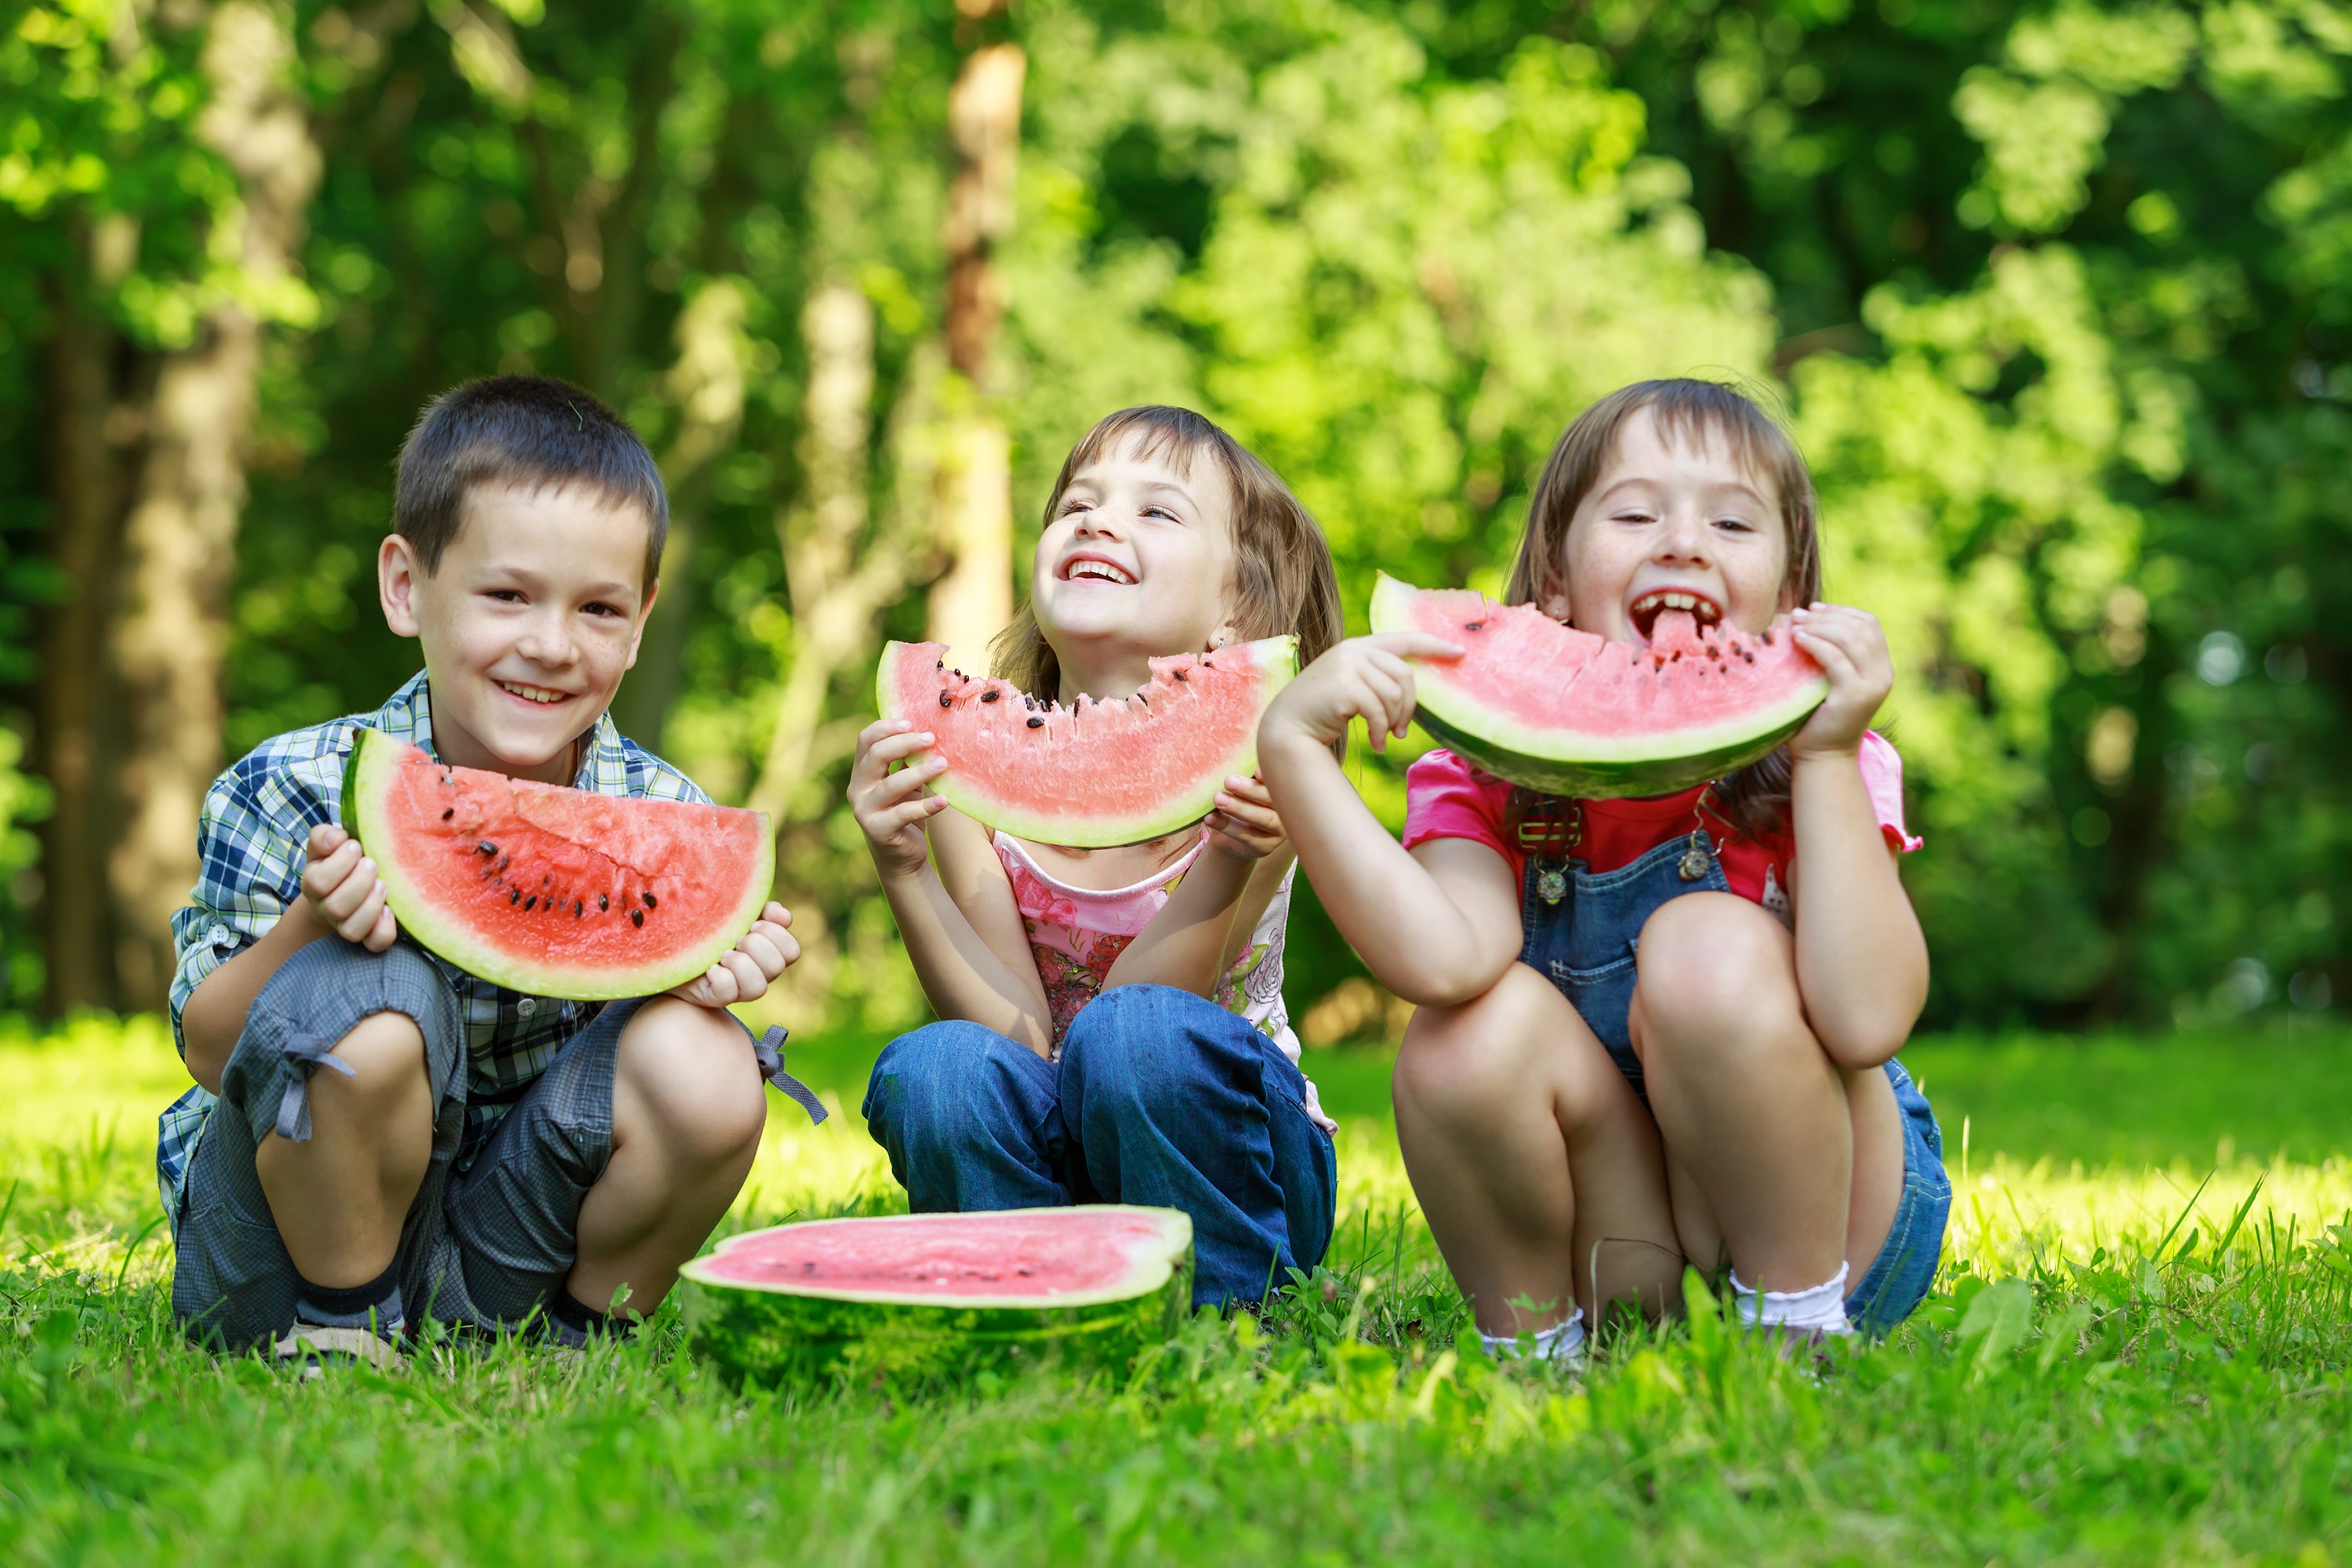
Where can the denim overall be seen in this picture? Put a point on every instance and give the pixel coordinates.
(1584, 940)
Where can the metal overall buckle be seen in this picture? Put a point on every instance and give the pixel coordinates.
(1550, 828)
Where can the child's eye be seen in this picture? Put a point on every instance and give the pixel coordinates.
(506, 596)
(602, 609)
(1735, 524)
(1073, 505)
(1636, 517)
(1159, 512)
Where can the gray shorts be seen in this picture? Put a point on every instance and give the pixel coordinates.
(481, 1248)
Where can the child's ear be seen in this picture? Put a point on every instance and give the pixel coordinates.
(398, 570)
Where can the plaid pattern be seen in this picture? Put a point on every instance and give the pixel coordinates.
(249, 841)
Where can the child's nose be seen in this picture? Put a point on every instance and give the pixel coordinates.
(547, 640)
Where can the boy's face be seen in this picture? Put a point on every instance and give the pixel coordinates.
(528, 622)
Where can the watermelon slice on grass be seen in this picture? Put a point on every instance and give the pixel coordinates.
(1095, 775)
(1564, 711)
(553, 891)
(941, 1295)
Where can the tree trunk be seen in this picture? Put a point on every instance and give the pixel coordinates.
(76, 747)
(973, 599)
(179, 549)
(837, 588)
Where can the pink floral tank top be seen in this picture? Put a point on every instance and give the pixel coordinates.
(1077, 934)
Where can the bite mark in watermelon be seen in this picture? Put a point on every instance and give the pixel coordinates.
(1101, 773)
(553, 891)
(1564, 711)
(926, 1295)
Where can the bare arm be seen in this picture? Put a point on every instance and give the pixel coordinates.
(1438, 926)
(960, 926)
(1190, 943)
(1861, 959)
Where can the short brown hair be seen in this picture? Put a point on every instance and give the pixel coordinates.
(527, 431)
(1283, 580)
(1755, 798)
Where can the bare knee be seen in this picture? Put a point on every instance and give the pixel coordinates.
(688, 1076)
(385, 1052)
(1467, 1069)
(1711, 968)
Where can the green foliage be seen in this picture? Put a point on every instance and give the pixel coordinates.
(2055, 296)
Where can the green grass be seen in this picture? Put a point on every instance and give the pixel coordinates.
(2138, 1353)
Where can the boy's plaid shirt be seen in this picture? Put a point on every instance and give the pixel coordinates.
(250, 842)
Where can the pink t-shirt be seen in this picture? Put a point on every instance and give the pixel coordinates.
(1446, 798)
(1077, 934)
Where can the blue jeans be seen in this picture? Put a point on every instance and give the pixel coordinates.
(1161, 1097)
(1584, 944)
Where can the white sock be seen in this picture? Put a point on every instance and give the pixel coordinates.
(1562, 1343)
(1823, 1307)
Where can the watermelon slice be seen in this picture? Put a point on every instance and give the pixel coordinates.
(1570, 713)
(1099, 773)
(928, 1294)
(554, 891)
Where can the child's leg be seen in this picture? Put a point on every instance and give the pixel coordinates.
(1777, 1157)
(970, 1119)
(1530, 1154)
(306, 1176)
(612, 1170)
(1174, 1101)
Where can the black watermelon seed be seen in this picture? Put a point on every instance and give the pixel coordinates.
(514, 895)
(946, 701)
(505, 861)
(1748, 657)
(544, 881)
(1473, 626)
(1768, 636)
(1182, 675)
(528, 903)
(636, 917)
(602, 902)
(650, 899)
(486, 848)
(448, 814)
(578, 909)
(990, 696)
(1677, 656)
(1035, 723)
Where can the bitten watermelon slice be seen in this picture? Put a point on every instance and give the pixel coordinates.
(1099, 773)
(554, 891)
(924, 1295)
(1570, 713)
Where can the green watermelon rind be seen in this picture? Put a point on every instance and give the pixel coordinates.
(767, 1335)
(372, 757)
(1568, 762)
(1276, 661)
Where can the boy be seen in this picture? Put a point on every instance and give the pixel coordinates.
(478, 1157)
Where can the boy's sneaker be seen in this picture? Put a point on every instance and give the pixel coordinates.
(318, 1346)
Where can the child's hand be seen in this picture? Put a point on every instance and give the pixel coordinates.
(1363, 677)
(1245, 824)
(344, 892)
(744, 971)
(1850, 648)
(889, 806)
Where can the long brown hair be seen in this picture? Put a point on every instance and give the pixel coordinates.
(1755, 798)
(1283, 578)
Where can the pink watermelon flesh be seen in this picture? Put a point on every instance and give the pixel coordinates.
(554, 891)
(1099, 773)
(1563, 710)
(1056, 1257)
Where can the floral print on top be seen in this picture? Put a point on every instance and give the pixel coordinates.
(1077, 934)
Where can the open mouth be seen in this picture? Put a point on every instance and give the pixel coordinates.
(1645, 611)
(1095, 567)
(538, 694)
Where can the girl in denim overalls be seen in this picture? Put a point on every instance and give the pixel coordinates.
(1649, 1031)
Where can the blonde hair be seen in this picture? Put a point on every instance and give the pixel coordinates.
(1283, 578)
(1755, 798)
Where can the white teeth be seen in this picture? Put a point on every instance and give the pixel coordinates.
(531, 693)
(1102, 569)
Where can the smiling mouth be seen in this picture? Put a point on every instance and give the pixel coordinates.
(1102, 570)
(538, 694)
(1645, 611)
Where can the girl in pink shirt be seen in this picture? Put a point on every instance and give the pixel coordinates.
(1111, 1020)
(1649, 1031)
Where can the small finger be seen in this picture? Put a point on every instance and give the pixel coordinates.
(361, 923)
(750, 980)
(775, 914)
(762, 954)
